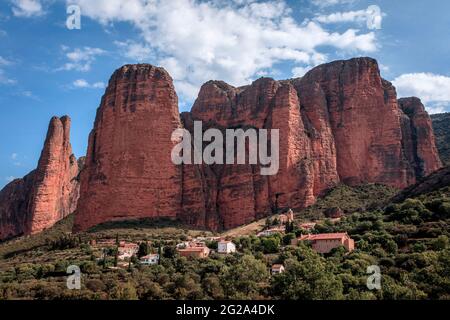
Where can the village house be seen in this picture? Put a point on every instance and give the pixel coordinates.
(103, 243)
(195, 252)
(191, 244)
(203, 239)
(151, 259)
(270, 232)
(324, 243)
(308, 226)
(277, 269)
(288, 217)
(127, 250)
(226, 247)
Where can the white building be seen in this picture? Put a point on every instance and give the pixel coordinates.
(149, 260)
(277, 269)
(226, 247)
(127, 250)
(270, 232)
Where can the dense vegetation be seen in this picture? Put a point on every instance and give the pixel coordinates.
(409, 241)
(441, 125)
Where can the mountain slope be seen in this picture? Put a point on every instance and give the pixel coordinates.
(441, 125)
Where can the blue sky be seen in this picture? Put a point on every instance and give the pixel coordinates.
(47, 69)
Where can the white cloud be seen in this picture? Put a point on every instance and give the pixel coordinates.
(5, 80)
(27, 8)
(81, 83)
(328, 3)
(10, 179)
(372, 16)
(80, 59)
(4, 62)
(229, 40)
(438, 108)
(433, 89)
(135, 51)
(15, 160)
(29, 94)
(299, 72)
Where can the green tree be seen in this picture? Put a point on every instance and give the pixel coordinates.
(288, 238)
(308, 279)
(144, 249)
(440, 243)
(270, 244)
(246, 279)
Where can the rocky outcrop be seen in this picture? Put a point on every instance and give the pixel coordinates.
(419, 140)
(128, 172)
(441, 127)
(46, 195)
(435, 181)
(364, 119)
(341, 122)
(14, 202)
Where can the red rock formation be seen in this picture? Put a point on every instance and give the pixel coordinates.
(55, 189)
(48, 194)
(129, 173)
(14, 201)
(339, 123)
(420, 146)
(364, 118)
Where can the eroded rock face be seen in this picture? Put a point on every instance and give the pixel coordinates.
(421, 150)
(46, 195)
(14, 202)
(364, 118)
(128, 172)
(340, 123)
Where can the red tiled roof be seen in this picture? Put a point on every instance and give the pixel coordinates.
(324, 236)
(277, 266)
(193, 249)
(129, 245)
(150, 256)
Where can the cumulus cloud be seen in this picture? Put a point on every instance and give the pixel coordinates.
(80, 59)
(299, 72)
(372, 16)
(433, 89)
(230, 40)
(134, 50)
(81, 83)
(329, 3)
(27, 8)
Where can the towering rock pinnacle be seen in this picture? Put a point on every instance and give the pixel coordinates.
(46, 195)
(55, 189)
(129, 173)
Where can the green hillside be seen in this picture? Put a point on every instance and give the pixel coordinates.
(408, 240)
